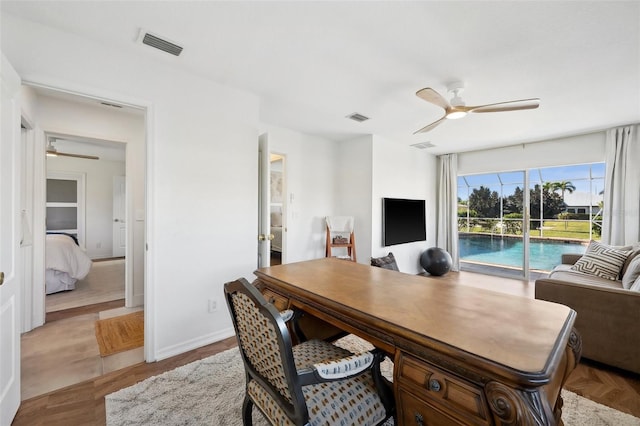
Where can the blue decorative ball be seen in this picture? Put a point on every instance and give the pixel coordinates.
(436, 261)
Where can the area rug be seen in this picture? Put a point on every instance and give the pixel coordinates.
(120, 333)
(210, 392)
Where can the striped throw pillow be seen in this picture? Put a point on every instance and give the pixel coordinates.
(602, 260)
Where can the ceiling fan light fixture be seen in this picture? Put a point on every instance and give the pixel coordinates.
(456, 114)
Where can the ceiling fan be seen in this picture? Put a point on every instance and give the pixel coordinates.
(53, 152)
(457, 109)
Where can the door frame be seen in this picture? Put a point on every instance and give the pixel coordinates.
(264, 204)
(149, 259)
(116, 229)
(284, 203)
(11, 265)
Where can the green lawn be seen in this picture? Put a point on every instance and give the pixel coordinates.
(564, 229)
(575, 230)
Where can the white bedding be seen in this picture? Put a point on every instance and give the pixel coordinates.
(65, 263)
(276, 243)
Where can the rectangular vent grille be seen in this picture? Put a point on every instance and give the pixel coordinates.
(423, 145)
(111, 105)
(164, 45)
(357, 117)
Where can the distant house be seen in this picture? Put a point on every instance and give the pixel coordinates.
(580, 202)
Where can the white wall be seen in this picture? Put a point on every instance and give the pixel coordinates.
(99, 199)
(87, 120)
(310, 176)
(202, 212)
(353, 190)
(401, 171)
(34, 167)
(581, 149)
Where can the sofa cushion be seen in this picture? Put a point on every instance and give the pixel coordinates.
(565, 273)
(632, 273)
(602, 260)
(635, 251)
(636, 285)
(386, 262)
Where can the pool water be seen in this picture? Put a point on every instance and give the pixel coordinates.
(543, 254)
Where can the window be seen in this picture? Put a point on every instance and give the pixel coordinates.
(565, 206)
(65, 204)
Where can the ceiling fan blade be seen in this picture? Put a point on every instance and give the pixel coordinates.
(64, 154)
(430, 95)
(507, 106)
(431, 126)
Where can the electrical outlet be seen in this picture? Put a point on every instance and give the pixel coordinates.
(213, 305)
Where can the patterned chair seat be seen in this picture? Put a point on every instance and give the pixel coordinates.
(312, 383)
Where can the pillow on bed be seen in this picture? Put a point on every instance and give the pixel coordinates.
(276, 219)
(602, 260)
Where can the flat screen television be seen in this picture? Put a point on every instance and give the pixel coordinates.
(403, 221)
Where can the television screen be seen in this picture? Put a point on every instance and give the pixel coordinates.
(403, 221)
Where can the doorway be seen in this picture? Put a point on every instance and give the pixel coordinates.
(272, 205)
(81, 207)
(104, 131)
(277, 208)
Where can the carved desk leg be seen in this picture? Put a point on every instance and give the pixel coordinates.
(521, 407)
(517, 407)
(573, 353)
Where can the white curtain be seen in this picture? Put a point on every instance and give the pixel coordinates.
(621, 211)
(447, 214)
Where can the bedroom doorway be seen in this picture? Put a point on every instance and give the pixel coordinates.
(82, 209)
(116, 135)
(277, 208)
(272, 205)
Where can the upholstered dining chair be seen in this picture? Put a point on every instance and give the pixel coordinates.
(312, 383)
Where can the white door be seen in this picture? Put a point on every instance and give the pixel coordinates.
(119, 216)
(9, 243)
(264, 219)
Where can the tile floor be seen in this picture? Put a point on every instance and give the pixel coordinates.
(64, 352)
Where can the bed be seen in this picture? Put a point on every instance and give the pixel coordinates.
(276, 231)
(65, 263)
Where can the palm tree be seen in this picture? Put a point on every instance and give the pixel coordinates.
(564, 186)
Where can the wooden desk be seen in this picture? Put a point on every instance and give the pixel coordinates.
(462, 355)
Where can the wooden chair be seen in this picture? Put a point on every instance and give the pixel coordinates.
(313, 382)
(341, 227)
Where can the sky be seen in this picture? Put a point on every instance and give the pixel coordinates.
(579, 175)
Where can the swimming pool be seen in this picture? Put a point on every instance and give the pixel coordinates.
(507, 251)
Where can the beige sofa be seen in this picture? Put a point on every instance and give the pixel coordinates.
(608, 314)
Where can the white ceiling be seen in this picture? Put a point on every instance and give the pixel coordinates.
(313, 63)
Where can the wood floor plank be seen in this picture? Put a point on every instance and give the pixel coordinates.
(83, 403)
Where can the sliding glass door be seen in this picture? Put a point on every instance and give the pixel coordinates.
(519, 223)
(491, 222)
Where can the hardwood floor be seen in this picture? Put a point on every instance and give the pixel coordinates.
(83, 403)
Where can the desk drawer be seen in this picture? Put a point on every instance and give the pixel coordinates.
(416, 412)
(450, 393)
(279, 301)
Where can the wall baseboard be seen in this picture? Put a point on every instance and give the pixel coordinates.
(190, 345)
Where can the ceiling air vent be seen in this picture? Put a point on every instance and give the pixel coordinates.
(110, 105)
(423, 145)
(164, 45)
(357, 117)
